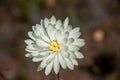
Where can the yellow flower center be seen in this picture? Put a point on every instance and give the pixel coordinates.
(54, 46)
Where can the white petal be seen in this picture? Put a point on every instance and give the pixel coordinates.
(43, 64)
(79, 55)
(66, 54)
(36, 59)
(44, 37)
(68, 29)
(64, 49)
(39, 68)
(75, 35)
(66, 22)
(30, 50)
(28, 41)
(45, 53)
(79, 42)
(48, 68)
(58, 24)
(47, 60)
(27, 55)
(41, 22)
(33, 48)
(51, 32)
(30, 34)
(46, 22)
(70, 41)
(61, 29)
(34, 53)
(65, 40)
(30, 47)
(62, 61)
(34, 28)
(74, 61)
(69, 64)
(37, 30)
(66, 34)
(41, 43)
(58, 36)
(38, 27)
(72, 55)
(77, 29)
(73, 48)
(53, 20)
(56, 64)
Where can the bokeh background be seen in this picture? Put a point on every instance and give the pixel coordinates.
(99, 21)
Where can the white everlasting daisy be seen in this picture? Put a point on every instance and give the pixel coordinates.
(54, 44)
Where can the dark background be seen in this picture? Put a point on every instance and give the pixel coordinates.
(99, 21)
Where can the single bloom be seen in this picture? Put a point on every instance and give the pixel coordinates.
(54, 44)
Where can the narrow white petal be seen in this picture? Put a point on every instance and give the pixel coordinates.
(44, 37)
(75, 35)
(35, 53)
(73, 48)
(77, 29)
(44, 53)
(37, 26)
(53, 20)
(79, 55)
(36, 59)
(30, 50)
(61, 29)
(56, 64)
(66, 22)
(27, 55)
(64, 49)
(36, 29)
(43, 64)
(69, 64)
(41, 43)
(46, 22)
(70, 41)
(47, 60)
(30, 47)
(39, 68)
(50, 58)
(41, 22)
(65, 40)
(58, 24)
(58, 36)
(28, 41)
(48, 68)
(69, 28)
(74, 61)
(66, 54)
(62, 61)
(50, 31)
(66, 34)
(30, 34)
(72, 55)
(79, 42)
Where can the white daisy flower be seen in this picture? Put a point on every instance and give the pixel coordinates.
(54, 44)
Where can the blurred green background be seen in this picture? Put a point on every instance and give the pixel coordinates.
(99, 21)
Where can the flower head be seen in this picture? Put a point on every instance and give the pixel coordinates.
(54, 44)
